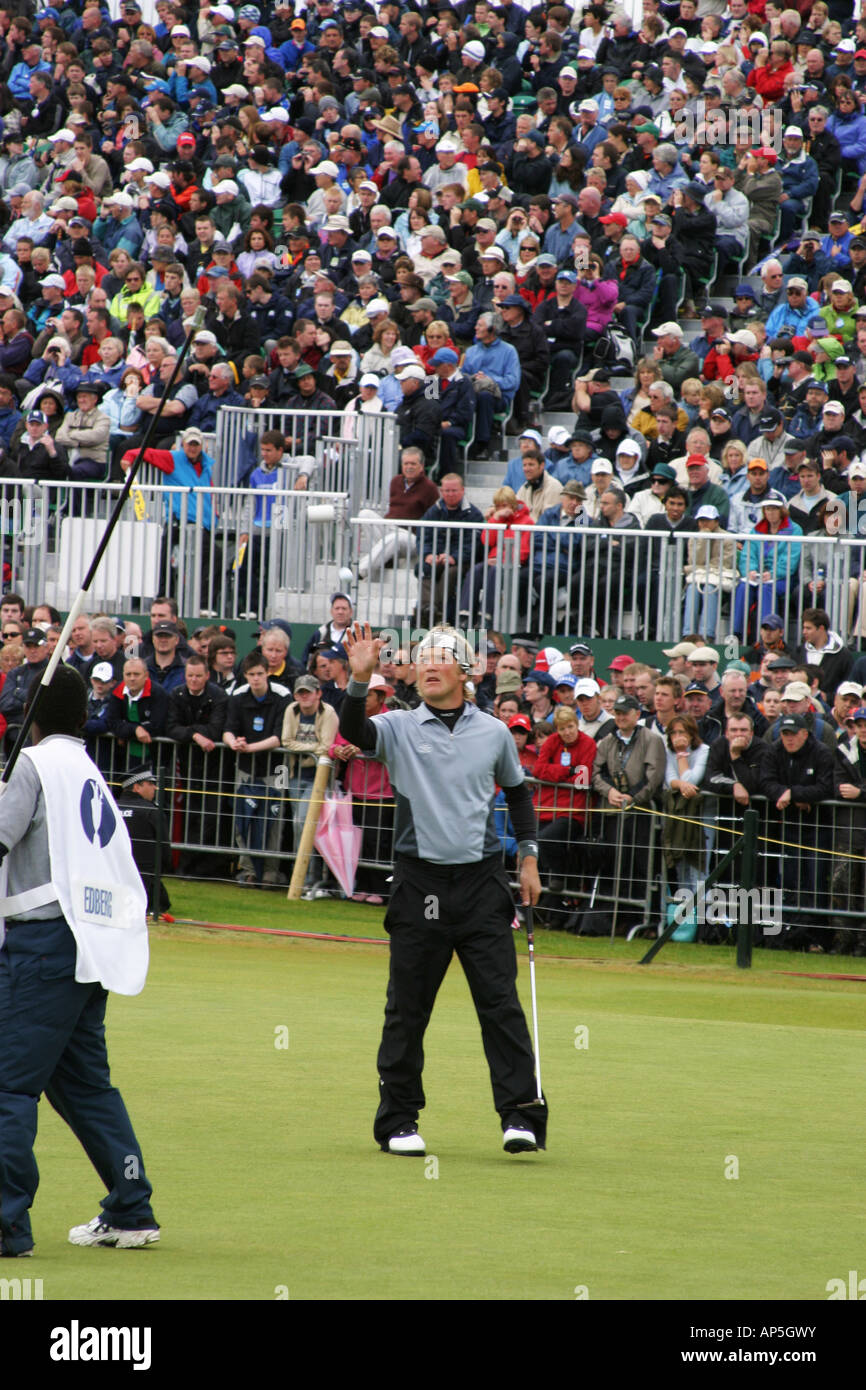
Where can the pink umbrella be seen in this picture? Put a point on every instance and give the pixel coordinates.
(338, 839)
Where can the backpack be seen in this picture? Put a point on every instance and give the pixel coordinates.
(614, 348)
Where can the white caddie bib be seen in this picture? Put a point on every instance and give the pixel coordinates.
(93, 873)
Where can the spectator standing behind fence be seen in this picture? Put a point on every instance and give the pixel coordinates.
(682, 831)
(166, 666)
(309, 729)
(253, 724)
(564, 767)
(196, 719)
(17, 683)
(137, 712)
(800, 775)
(372, 801)
(628, 774)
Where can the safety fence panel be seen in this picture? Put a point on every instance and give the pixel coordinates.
(355, 453)
(610, 583)
(231, 552)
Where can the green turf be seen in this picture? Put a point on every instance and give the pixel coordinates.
(267, 1178)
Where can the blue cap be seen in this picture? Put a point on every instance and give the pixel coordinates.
(567, 275)
(444, 355)
(37, 417)
(515, 301)
(567, 679)
(280, 623)
(745, 291)
(540, 678)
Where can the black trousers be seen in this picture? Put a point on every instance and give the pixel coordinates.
(434, 911)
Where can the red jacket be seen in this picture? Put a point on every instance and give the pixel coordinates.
(523, 517)
(570, 766)
(769, 83)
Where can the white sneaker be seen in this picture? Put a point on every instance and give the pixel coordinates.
(519, 1139)
(407, 1142)
(98, 1232)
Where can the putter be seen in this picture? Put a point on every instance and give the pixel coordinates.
(539, 1103)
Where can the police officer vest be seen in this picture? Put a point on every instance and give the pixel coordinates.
(93, 874)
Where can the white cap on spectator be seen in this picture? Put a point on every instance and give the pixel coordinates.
(412, 373)
(376, 306)
(225, 186)
(123, 200)
(140, 163)
(328, 167)
(103, 671)
(199, 62)
(205, 336)
(558, 435)
(55, 282)
(850, 688)
(160, 178)
(601, 465)
(369, 379)
(628, 446)
(585, 686)
(797, 690)
(63, 134)
(276, 113)
(665, 328)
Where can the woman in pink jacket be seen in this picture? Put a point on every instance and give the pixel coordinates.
(479, 586)
(597, 296)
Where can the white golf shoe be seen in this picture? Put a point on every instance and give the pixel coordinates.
(408, 1142)
(519, 1139)
(98, 1232)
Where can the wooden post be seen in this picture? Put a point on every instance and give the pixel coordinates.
(314, 810)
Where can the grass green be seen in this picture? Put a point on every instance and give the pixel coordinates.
(267, 1179)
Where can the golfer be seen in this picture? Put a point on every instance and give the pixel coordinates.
(74, 910)
(450, 892)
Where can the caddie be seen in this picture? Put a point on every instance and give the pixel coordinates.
(73, 910)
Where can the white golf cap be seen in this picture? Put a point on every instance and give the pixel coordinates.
(64, 205)
(447, 146)
(386, 232)
(792, 132)
(376, 306)
(225, 186)
(199, 62)
(140, 163)
(361, 255)
(492, 253)
(179, 29)
(588, 105)
(797, 690)
(160, 178)
(706, 513)
(628, 446)
(369, 379)
(568, 71)
(276, 113)
(745, 337)
(587, 687)
(337, 223)
(328, 167)
(843, 286)
(413, 372)
(122, 199)
(205, 336)
(558, 435)
(850, 688)
(601, 465)
(586, 53)
(54, 282)
(235, 89)
(63, 134)
(704, 654)
(379, 32)
(401, 355)
(102, 671)
(665, 328)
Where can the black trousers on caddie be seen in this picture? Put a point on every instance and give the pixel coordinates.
(435, 910)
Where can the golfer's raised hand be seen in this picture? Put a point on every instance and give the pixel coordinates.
(362, 649)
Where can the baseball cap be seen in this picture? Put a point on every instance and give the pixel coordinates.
(619, 663)
(566, 679)
(772, 620)
(626, 702)
(796, 690)
(782, 663)
(103, 671)
(769, 419)
(696, 688)
(850, 688)
(681, 649)
(520, 721)
(668, 328)
(311, 683)
(34, 637)
(194, 433)
(792, 723)
(707, 513)
(704, 654)
(165, 629)
(586, 687)
(580, 649)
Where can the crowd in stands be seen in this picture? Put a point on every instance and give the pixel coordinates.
(441, 210)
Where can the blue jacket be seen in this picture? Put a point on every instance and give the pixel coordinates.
(499, 361)
(458, 402)
(184, 475)
(126, 234)
(19, 79)
(204, 412)
(466, 543)
(850, 131)
(800, 319)
(800, 178)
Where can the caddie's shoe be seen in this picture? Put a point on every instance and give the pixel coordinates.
(519, 1139)
(98, 1232)
(14, 1254)
(408, 1142)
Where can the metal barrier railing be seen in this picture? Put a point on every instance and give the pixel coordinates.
(356, 453)
(220, 550)
(616, 584)
(605, 871)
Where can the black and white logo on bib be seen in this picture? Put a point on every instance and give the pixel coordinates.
(97, 817)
